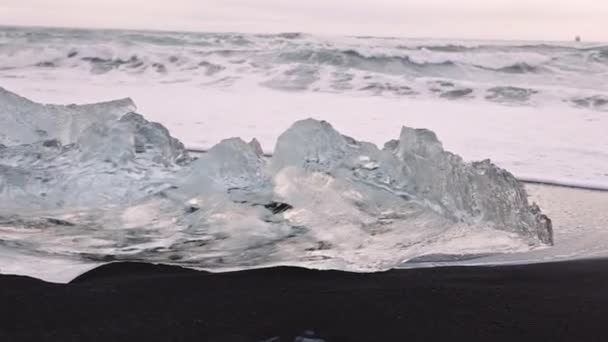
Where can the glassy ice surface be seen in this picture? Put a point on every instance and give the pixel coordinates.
(26, 122)
(122, 188)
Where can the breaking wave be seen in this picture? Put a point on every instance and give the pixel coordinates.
(298, 62)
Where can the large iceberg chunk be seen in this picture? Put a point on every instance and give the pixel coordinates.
(115, 159)
(119, 187)
(132, 137)
(311, 144)
(155, 140)
(479, 190)
(25, 122)
(416, 167)
(232, 163)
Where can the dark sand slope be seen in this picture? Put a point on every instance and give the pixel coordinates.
(136, 302)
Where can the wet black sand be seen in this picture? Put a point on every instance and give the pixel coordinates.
(137, 302)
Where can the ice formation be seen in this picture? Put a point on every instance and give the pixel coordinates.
(26, 122)
(418, 170)
(105, 155)
(114, 186)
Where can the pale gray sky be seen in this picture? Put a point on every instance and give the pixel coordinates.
(490, 19)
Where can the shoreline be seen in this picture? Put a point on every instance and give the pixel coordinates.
(562, 301)
(563, 184)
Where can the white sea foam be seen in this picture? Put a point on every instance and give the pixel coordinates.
(402, 68)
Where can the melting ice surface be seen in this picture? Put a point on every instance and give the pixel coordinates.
(99, 183)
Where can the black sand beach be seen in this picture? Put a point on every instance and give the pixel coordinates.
(137, 302)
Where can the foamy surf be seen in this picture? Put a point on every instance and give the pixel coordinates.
(508, 73)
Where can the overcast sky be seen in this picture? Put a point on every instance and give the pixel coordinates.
(490, 19)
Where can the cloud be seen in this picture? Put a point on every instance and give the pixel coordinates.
(502, 19)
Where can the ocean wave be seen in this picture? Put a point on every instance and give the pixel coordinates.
(517, 68)
(600, 54)
(598, 102)
(301, 62)
(510, 94)
(447, 48)
(351, 58)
